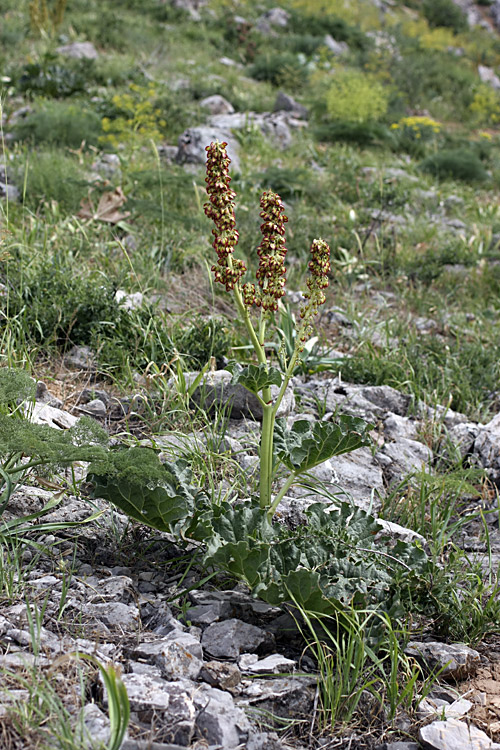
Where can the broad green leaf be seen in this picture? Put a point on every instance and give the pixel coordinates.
(305, 445)
(155, 494)
(255, 377)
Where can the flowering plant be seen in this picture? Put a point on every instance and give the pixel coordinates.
(305, 445)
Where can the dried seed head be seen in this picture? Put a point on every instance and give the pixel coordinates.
(228, 270)
(319, 268)
(271, 274)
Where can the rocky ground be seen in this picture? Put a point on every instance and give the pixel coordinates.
(205, 664)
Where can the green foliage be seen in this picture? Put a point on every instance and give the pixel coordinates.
(456, 164)
(434, 80)
(137, 120)
(255, 377)
(53, 79)
(356, 97)
(155, 494)
(281, 69)
(201, 340)
(55, 176)
(414, 134)
(61, 307)
(305, 445)
(55, 123)
(360, 133)
(328, 563)
(319, 25)
(466, 370)
(486, 105)
(445, 13)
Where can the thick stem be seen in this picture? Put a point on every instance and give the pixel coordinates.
(266, 455)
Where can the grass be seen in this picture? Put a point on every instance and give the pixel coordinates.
(400, 255)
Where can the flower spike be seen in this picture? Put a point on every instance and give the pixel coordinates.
(271, 274)
(228, 270)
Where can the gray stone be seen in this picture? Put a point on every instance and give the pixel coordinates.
(286, 697)
(266, 741)
(230, 638)
(114, 615)
(456, 660)
(173, 700)
(396, 427)
(44, 396)
(10, 192)
(95, 728)
(190, 6)
(488, 75)
(108, 165)
(360, 477)
(217, 105)
(336, 48)
(406, 456)
(370, 402)
(463, 436)
(401, 746)
(223, 675)
(285, 102)
(219, 721)
(487, 447)
(216, 388)
(396, 531)
(193, 141)
(78, 51)
(275, 17)
(272, 664)
(210, 606)
(43, 413)
(178, 655)
(114, 589)
(95, 408)
(455, 735)
(80, 358)
(396, 173)
(441, 709)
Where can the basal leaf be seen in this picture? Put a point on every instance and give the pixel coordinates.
(256, 377)
(155, 494)
(305, 445)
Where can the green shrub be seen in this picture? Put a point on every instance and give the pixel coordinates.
(356, 97)
(319, 25)
(445, 13)
(427, 77)
(53, 176)
(456, 164)
(52, 79)
(361, 133)
(60, 124)
(280, 69)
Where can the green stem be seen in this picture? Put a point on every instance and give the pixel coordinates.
(279, 497)
(266, 455)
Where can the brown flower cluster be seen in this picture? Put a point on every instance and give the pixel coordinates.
(220, 209)
(271, 274)
(319, 268)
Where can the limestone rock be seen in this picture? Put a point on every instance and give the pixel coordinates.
(217, 105)
(230, 638)
(193, 141)
(459, 661)
(79, 51)
(176, 655)
(455, 735)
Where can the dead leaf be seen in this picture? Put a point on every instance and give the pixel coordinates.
(107, 209)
